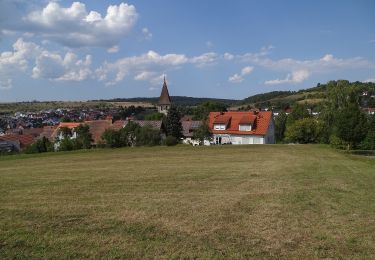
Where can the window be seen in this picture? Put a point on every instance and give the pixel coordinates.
(219, 127)
(244, 128)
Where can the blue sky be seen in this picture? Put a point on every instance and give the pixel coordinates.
(64, 50)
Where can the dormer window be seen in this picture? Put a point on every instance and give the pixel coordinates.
(244, 127)
(219, 127)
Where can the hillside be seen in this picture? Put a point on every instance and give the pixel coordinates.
(177, 100)
(311, 96)
(236, 202)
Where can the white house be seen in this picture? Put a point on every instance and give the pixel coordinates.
(242, 127)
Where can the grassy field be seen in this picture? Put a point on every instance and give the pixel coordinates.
(281, 201)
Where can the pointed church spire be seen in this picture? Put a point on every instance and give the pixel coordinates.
(164, 95)
(165, 99)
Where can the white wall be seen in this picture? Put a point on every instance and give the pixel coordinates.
(240, 139)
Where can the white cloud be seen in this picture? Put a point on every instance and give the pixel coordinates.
(239, 77)
(68, 68)
(205, 59)
(113, 49)
(146, 33)
(236, 78)
(294, 77)
(74, 26)
(143, 67)
(29, 57)
(228, 56)
(327, 63)
(144, 75)
(247, 70)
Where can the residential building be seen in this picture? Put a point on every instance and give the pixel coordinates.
(242, 127)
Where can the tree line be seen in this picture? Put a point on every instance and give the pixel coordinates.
(341, 122)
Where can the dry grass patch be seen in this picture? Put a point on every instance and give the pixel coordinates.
(188, 202)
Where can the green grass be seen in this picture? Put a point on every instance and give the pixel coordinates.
(281, 201)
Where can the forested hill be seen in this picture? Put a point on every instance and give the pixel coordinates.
(177, 100)
(312, 96)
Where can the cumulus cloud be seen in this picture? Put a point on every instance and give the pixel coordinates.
(239, 77)
(300, 70)
(68, 68)
(74, 26)
(29, 57)
(295, 77)
(144, 67)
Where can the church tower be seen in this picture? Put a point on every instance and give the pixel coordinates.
(164, 100)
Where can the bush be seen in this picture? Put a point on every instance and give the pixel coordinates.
(369, 142)
(337, 143)
(303, 131)
(170, 141)
(40, 146)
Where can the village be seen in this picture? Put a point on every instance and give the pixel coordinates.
(231, 127)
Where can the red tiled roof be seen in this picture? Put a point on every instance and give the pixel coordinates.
(69, 125)
(47, 132)
(32, 131)
(248, 119)
(260, 122)
(222, 119)
(156, 124)
(189, 126)
(24, 140)
(97, 128)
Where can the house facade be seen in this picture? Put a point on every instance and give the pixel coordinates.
(242, 127)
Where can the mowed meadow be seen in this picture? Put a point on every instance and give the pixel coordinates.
(266, 201)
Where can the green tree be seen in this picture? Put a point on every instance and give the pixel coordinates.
(369, 141)
(340, 94)
(201, 112)
(202, 133)
(305, 130)
(128, 134)
(84, 137)
(299, 111)
(351, 125)
(154, 116)
(280, 126)
(173, 125)
(66, 144)
(148, 136)
(111, 138)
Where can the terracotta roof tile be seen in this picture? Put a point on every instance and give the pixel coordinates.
(24, 140)
(260, 122)
(188, 127)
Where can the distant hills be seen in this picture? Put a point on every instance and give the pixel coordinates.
(177, 100)
(280, 99)
(275, 99)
